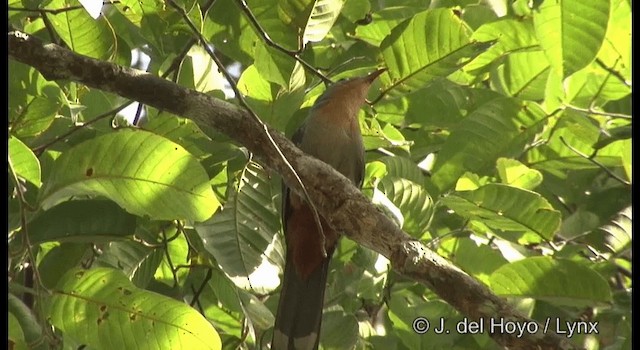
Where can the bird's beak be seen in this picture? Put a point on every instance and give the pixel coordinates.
(373, 75)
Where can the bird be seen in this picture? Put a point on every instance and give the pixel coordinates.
(330, 133)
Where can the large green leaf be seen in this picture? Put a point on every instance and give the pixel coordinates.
(498, 128)
(571, 32)
(138, 261)
(23, 162)
(580, 134)
(82, 221)
(511, 35)
(83, 34)
(431, 44)
(199, 72)
(109, 312)
(516, 174)
(56, 261)
(414, 203)
(559, 281)
(242, 237)
(480, 261)
(229, 31)
(29, 325)
(311, 18)
(274, 104)
(618, 234)
(35, 117)
(144, 173)
(507, 208)
(401, 167)
(523, 75)
(408, 313)
(16, 336)
(616, 49)
(382, 22)
(339, 330)
(323, 16)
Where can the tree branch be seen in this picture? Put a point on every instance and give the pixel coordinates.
(342, 204)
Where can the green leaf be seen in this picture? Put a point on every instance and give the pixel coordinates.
(382, 23)
(273, 65)
(571, 32)
(559, 281)
(83, 34)
(176, 252)
(200, 72)
(144, 173)
(182, 131)
(594, 86)
(228, 30)
(511, 36)
(516, 174)
(616, 48)
(618, 234)
(523, 75)
(261, 317)
(612, 135)
(339, 330)
(499, 128)
(405, 314)
(60, 259)
(23, 162)
(35, 117)
(112, 313)
(431, 44)
(402, 167)
(29, 325)
(414, 203)
(322, 18)
(137, 261)
(478, 260)
(578, 223)
(82, 221)
(579, 133)
(507, 208)
(16, 336)
(274, 104)
(134, 10)
(242, 237)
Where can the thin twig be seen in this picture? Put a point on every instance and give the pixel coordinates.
(246, 106)
(165, 242)
(39, 149)
(25, 239)
(197, 293)
(294, 54)
(613, 72)
(593, 111)
(598, 164)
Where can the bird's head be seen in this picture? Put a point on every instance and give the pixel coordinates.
(349, 94)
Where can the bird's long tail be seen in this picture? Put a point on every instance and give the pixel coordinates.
(299, 315)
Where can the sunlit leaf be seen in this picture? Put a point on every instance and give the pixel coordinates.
(571, 32)
(102, 300)
(242, 237)
(507, 208)
(144, 173)
(558, 281)
(23, 161)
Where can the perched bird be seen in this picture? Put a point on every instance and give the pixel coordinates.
(330, 133)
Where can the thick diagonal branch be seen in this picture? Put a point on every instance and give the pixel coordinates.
(338, 201)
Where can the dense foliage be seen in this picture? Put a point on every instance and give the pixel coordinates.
(500, 135)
